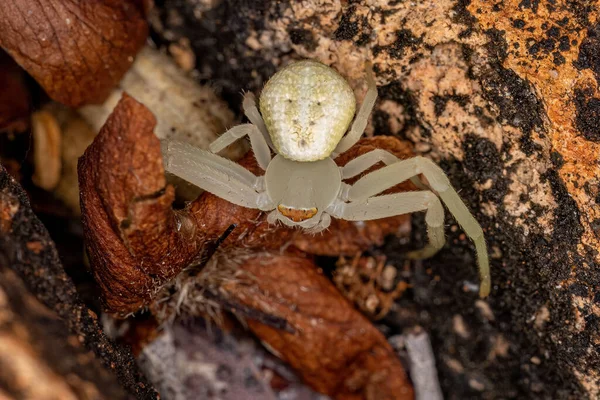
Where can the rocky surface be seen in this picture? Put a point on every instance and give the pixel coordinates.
(504, 97)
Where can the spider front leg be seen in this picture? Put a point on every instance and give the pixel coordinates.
(215, 174)
(251, 111)
(389, 176)
(362, 116)
(261, 149)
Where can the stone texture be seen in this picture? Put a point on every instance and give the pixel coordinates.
(503, 95)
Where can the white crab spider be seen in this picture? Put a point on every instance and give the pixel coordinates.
(307, 107)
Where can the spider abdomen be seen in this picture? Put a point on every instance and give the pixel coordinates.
(307, 107)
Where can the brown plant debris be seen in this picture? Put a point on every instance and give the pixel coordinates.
(370, 283)
(27, 250)
(333, 347)
(135, 240)
(47, 138)
(14, 107)
(136, 243)
(76, 50)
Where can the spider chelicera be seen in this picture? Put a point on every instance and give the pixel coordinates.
(305, 111)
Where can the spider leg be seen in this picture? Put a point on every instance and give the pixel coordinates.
(365, 161)
(217, 175)
(257, 141)
(386, 177)
(362, 116)
(177, 153)
(398, 204)
(251, 111)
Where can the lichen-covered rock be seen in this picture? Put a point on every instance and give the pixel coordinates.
(503, 95)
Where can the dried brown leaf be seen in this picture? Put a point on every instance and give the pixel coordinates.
(77, 50)
(135, 240)
(333, 347)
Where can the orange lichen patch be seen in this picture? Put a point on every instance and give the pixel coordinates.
(297, 214)
(543, 47)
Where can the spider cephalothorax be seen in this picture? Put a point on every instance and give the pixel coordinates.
(307, 108)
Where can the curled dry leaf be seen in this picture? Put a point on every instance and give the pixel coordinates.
(136, 242)
(77, 51)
